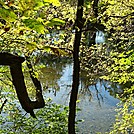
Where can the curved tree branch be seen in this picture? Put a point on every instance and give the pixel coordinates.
(18, 81)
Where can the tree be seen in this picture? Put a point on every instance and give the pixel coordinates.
(28, 27)
(118, 19)
(20, 33)
(76, 68)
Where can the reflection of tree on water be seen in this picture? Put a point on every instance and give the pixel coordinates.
(49, 79)
(55, 69)
(86, 87)
(112, 88)
(88, 82)
(93, 87)
(52, 72)
(96, 104)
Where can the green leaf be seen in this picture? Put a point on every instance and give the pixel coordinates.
(54, 22)
(112, 2)
(58, 21)
(35, 25)
(31, 45)
(53, 2)
(38, 4)
(47, 49)
(7, 15)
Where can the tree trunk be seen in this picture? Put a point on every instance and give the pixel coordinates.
(76, 68)
(95, 7)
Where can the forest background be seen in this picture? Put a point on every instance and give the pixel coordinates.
(71, 26)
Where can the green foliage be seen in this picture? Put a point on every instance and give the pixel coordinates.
(32, 27)
(125, 117)
(28, 26)
(8, 15)
(35, 25)
(54, 2)
(51, 119)
(94, 60)
(118, 19)
(54, 21)
(117, 16)
(122, 72)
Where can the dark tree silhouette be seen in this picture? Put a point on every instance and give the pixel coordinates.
(18, 81)
(95, 7)
(76, 68)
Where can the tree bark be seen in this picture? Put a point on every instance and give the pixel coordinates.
(95, 7)
(76, 68)
(18, 81)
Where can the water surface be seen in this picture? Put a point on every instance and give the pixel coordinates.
(96, 104)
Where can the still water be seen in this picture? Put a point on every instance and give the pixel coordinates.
(96, 104)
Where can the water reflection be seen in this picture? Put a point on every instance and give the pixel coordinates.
(96, 103)
(100, 37)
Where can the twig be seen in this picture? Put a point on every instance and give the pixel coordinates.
(3, 105)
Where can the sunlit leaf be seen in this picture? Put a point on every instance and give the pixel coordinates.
(78, 101)
(111, 2)
(54, 22)
(58, 21)
(7, 15)
(47, 49)
(54, 2)
(35, 25)
(38, 4)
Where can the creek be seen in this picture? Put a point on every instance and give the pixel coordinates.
(96, 100)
